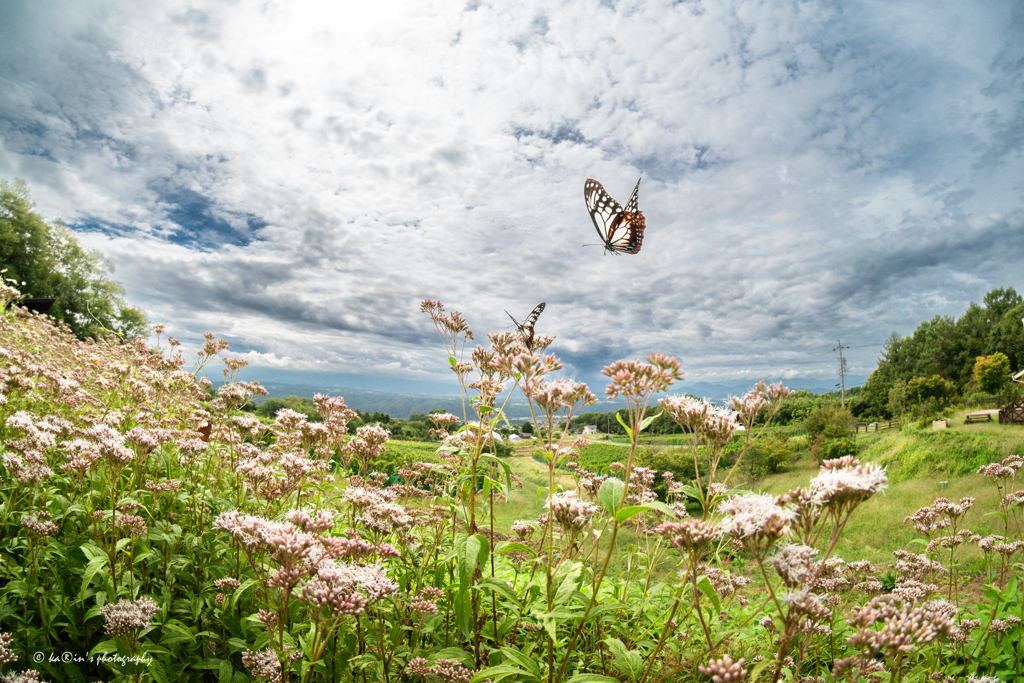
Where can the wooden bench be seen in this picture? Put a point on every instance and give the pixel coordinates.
(977, 418)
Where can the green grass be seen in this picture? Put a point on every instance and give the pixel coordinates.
(923, 465)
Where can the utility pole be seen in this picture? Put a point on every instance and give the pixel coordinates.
(842, 371)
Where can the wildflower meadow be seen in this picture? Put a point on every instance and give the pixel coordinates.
(153, 532)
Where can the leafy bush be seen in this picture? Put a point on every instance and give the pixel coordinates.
(678, 461)
(838, 448)
(769, 455)
(931, 389)
(992, 373)
(830, 421)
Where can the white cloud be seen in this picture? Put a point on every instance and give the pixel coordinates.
(297, 176)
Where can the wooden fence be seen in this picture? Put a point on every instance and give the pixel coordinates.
(875, 426)
(1012, 413)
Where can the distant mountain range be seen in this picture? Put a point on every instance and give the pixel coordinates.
(400, 405)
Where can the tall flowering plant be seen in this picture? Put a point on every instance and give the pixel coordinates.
(711, 428)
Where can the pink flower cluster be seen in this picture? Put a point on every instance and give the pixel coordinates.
(441, 671)
(844, 483)
(39, 524)
(263, 664)
(6, 648)
(570, 512)
(128, 617)
(755, 517)
(710, 424)
(725, 670)
(636, 380)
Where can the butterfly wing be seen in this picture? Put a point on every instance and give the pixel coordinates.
(620, 230)
(526, 329)
(532, 318)
(632, 204)
(604, 210)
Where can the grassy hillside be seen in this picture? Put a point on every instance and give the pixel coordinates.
(922, 464)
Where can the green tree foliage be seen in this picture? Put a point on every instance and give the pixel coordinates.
(933, 388)
(992, 373)
(45, 260)
(272, 404)
(769, 455)
(949, 348)
(898, 398)
(838, 448)
(796, 408)
(829, 421)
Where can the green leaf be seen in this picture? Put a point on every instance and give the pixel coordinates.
(691, 491)
(601, 609)
(628, 662)
(500, 672)
(455, 653)
(471, 552)
(704, 584)
(91, 551)
(104, 647)
(542, 494)
(509, 546)
(610, 494)
(758, 668)
(504, 465)
(570, 582)
(157, 671)
(522, 660)
(633, 510)
(173, 633)
(592, 678)
(629, 432)
(499, 586)
(628, 512)
(94, 566)
(648, 420)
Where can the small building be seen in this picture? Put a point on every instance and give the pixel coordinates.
(590, 429)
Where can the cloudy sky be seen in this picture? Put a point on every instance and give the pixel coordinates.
(297, 175)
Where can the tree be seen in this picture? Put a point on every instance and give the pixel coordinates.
(948, 348)
(830, 421)
(992, 373)
(44, 260)
(924, 389)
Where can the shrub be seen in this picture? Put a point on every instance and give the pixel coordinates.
(768, 455)
(992, 373)
(931, 389)
(838, 448)
(678, 461)
(830, 421)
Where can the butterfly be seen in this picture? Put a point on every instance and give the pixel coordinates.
(526, 329)
(621, 230)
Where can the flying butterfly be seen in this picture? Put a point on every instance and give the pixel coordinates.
(621, 230)
(526, 329)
